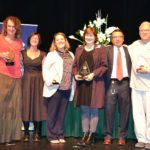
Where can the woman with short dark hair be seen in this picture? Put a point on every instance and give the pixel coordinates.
(32, 87)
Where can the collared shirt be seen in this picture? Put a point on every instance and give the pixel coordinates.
(124, 64)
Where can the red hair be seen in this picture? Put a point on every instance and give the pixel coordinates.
(90, 30)
(17, 26)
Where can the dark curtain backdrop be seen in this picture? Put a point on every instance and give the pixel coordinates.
(70, 15)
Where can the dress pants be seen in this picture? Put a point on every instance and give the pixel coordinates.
(141, 115)
(118, 93)
(56, 108)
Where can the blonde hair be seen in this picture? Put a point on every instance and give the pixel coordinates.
(53, 46)
(144, 23)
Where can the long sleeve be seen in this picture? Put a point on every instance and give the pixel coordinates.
(101, 66)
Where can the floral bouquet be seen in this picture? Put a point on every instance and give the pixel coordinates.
(100, 25)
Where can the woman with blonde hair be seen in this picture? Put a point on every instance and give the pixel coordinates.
(57, 76)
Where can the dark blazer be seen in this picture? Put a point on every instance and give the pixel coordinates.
(100, 67)
(110, 53)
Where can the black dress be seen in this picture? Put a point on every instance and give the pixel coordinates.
(32, 88)
(85, 87)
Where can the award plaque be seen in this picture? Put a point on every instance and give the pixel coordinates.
(55, 82)
(10, 60)
(84, 70)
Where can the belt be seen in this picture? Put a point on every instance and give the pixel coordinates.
(123, 79)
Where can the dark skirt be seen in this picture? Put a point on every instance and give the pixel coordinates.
(84, 93)
(32, 91)
(10, 109)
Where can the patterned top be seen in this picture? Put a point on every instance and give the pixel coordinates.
(67, 69)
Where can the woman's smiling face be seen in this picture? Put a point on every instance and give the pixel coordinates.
(60, 41)
(89, 38)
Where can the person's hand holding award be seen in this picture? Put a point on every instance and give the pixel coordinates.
(89, 77)
(143, 62)
(10, 58)
(78, 77)
(142, 69)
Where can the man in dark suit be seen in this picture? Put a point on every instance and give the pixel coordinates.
(117, 88)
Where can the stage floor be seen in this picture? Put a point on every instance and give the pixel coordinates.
(69, 145)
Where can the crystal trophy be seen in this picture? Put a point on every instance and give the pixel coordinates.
(84, 70)
(10, 60)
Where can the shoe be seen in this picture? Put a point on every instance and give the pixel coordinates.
(84, 138)
(26, 138)
(147, 146)
(36, 138)
(107, 141)
(140, 145)
(121, 142)
(54, 141)
(62, 140)
(90, 140)
(10, 144)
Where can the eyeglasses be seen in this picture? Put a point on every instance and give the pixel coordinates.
(115, 37)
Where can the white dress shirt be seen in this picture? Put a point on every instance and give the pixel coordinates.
(124, 64)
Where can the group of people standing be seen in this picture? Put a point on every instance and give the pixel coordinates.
(21, 98)
(96, 77)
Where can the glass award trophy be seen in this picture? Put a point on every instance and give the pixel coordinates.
(10, 60)
(84, 70)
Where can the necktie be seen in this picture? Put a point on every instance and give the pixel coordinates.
(119, 66)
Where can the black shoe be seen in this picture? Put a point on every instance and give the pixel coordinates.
(82, 141)
(90, 139)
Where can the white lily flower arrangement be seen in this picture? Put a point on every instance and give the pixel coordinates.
(100, 25)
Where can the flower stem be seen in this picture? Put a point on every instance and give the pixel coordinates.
(79, 41)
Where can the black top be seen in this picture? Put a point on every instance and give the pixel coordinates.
(85, 87)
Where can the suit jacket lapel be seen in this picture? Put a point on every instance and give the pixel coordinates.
(111, 56)
(127, 59)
